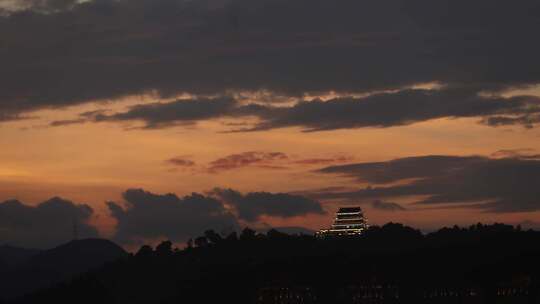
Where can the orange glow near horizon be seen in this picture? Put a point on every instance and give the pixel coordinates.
(95, 162)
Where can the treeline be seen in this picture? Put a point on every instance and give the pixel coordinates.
(234, 268)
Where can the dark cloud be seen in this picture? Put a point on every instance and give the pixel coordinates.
(10, 117)
(396, 109)
(258, 159)
(404, 168)
(269, 160)
(181, 162)
(150, 216)
(61, 53)
(67, 122)
(516, 153)
(177, 113)
(495, 185)
(146, 216)
(324, 161)
(181, 112)
(89, 116)
(252, 205)
(387, 206)
(45, 225)
(378, 110)
(528, 120)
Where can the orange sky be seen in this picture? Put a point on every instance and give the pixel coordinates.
(95, 162)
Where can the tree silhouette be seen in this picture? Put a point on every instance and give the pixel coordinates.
(145, 251)
(273, 234)
(164, 248)
(247, 234)
(201, 241)
(389, 264)
(212, 236)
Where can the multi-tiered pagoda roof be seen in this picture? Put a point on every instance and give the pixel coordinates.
(349, 221)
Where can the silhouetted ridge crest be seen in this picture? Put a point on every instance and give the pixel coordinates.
(85, 253)
(392, 263)
(11, 256)
(52, 266)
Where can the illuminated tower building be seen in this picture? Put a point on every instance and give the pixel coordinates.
(348, 222)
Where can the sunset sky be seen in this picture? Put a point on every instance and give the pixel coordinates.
(143, 120)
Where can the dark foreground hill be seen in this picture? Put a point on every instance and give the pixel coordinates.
(389, 264)
(34, 270)
(12, 256)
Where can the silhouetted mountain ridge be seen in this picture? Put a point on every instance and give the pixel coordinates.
(11, 256)
(77, 255)
(49, 267)
(389, 264)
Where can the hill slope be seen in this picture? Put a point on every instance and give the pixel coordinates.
(52, 266)
(11, 256)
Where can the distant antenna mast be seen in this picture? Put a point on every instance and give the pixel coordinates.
(75, 230)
